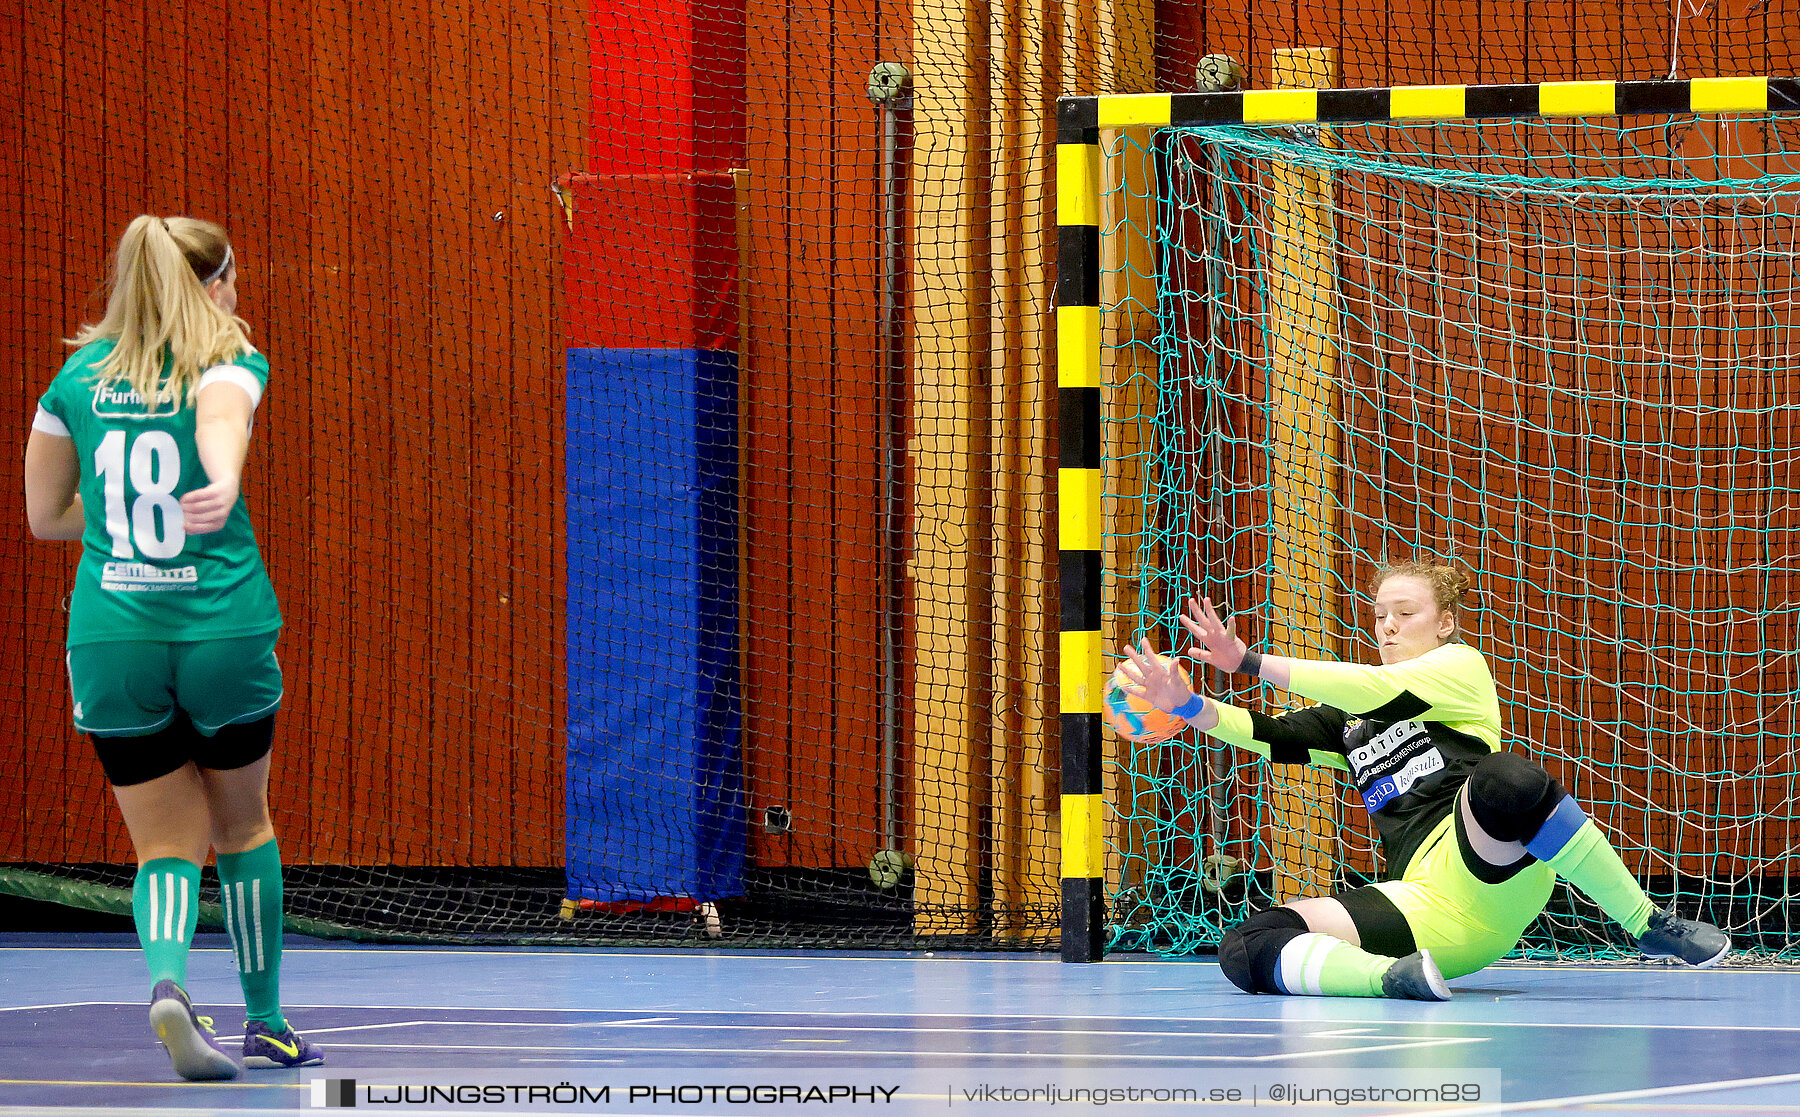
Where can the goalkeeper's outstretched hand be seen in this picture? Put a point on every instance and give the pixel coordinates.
(1217, 639)
(1164, 685)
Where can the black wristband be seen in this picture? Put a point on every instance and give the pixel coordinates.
(1252, 664)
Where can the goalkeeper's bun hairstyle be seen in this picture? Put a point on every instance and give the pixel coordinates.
(1449, 582)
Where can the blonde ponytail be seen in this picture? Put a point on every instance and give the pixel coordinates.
(159, 312)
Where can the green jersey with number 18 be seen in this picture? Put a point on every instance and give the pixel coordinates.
(142, 576)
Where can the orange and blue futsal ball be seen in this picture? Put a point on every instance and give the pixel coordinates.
(1133, 717)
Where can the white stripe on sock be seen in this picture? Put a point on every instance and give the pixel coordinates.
(168, 906)
(1288, 964)
(230, 934)
(241, 928)
(181, 917)
(154, 915)
(256, 917)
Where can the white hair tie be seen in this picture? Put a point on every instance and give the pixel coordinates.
(220, 270)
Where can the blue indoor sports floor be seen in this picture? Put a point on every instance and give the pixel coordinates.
(937, 1033)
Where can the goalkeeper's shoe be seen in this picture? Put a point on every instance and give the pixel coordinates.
(1415, 978)
(188, 1036)
(1685, 940)
(267, 1049)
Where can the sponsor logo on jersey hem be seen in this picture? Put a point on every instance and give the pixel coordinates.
(138, 577)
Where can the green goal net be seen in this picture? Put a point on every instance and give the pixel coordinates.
(1563, 352)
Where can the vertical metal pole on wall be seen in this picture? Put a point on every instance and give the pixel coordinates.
(1217, 866)
(890, 87)
(1217, 73)
(1305, 409)
(1078, 493)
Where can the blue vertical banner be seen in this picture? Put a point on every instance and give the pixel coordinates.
(655, 769)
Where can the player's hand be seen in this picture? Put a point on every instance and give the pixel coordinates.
(1219, 645)
(206, 510)
(1160, 676)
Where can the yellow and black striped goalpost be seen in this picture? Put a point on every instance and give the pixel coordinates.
(1079, 485)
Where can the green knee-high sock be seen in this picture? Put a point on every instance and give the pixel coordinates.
(250, 886)
(1324, 966)
(165, 903)
(1589, 862)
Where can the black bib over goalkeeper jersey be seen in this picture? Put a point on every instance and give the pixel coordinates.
(1408, 734)
(1408, 773)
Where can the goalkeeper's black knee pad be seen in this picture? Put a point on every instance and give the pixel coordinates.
(1511, 796)
(1250, 951)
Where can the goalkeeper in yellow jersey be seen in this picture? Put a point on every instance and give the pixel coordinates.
(1473, 836)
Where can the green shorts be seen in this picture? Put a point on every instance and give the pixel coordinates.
(131, 689)
(1465, 922)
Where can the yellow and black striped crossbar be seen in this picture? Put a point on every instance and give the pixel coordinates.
(1080, 115)
(1078, 349)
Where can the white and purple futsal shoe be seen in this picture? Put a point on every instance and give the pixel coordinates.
(187, 1035)
(266, 1049)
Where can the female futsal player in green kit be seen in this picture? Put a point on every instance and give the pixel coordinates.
(137, 450)
(1473, 837)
